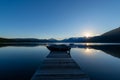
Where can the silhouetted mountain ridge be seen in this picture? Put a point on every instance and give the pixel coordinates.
(112, 36)
(74, 39)
(114, 32)
(26, 40)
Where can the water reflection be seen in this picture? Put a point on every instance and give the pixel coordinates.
(20, 61)
(90, 51)
(109, 48)
(90, 48)
(113, 50)
(97, 61)
(86, 51)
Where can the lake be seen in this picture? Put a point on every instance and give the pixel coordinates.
(98, 61)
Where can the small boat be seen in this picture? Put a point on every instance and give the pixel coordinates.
(71, 44)
(59, 47)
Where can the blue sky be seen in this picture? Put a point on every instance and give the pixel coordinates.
(57, 18)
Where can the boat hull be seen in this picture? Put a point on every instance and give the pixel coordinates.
(58, 48)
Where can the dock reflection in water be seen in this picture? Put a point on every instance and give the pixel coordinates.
(59, 65)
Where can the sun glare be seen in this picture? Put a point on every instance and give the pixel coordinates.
(89, 51)
(87, 35)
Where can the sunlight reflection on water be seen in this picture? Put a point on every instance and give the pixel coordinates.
(87, 51)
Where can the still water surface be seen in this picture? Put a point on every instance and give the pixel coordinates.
(99, 63)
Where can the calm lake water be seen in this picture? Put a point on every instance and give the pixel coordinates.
(100, 62)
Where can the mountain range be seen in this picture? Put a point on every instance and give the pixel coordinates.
(26, 40)
(112, 36)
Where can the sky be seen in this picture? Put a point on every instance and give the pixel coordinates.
(57, 18)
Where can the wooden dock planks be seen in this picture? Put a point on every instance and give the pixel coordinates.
(59, 66)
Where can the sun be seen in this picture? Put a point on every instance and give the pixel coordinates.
(87, 35)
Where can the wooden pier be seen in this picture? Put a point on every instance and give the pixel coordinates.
(59, 65)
